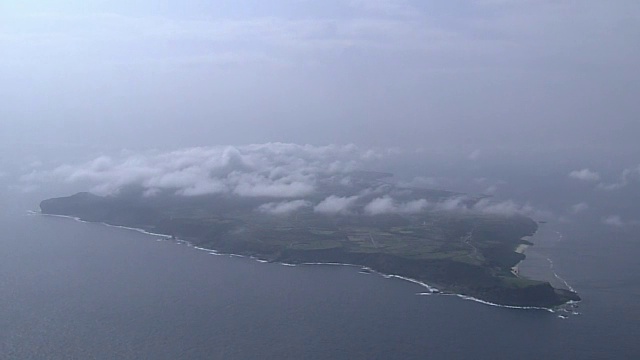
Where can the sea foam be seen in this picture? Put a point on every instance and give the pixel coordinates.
(431, 290)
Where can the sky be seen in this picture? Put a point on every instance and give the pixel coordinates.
(413, 74)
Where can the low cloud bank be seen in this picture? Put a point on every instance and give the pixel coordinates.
(281, 178)
(261, 170)
(459, 204)
(336, 205)
(387, 205)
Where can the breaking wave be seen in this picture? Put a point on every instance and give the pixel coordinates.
(431, 290)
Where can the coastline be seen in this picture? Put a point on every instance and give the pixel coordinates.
(431, 289)
(539, 264)
(515, 270)
(522, 248)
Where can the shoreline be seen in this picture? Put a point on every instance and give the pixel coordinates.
(431, 289)
(520, 250)
(538, 263)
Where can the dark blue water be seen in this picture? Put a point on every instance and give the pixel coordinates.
(71, 290)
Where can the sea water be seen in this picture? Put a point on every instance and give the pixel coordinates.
(72, 290)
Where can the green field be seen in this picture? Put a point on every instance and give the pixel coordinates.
(463, 252)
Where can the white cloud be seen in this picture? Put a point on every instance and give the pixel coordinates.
(585, 175)
(452, 204)
(506, 208)
(382, 205)
(260, 170)
(488, 206)
(631, 174)
(617, 221)
(610, 187)
(580, 207)
(256, 185)
(387, 205)
(277, 171)
(203, 188)
(613, 220)
(628, 176)
(336, 205)
(413, 207)
(284, 207)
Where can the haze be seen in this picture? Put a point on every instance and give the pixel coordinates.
(413, 74)
(420, 133)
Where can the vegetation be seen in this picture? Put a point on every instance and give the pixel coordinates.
(468, 253)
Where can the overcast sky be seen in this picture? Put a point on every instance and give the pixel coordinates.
(450, 73)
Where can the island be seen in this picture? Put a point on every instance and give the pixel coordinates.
(470, 253)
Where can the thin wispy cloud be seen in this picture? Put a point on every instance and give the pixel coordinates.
(456, 75)
(284, 207)
(579, 208)
(613, 220)
(619, 221)
(629, 176)
(475, 154)
(280, 39)
(585, 175)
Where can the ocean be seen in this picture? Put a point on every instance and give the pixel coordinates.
(73, 290)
